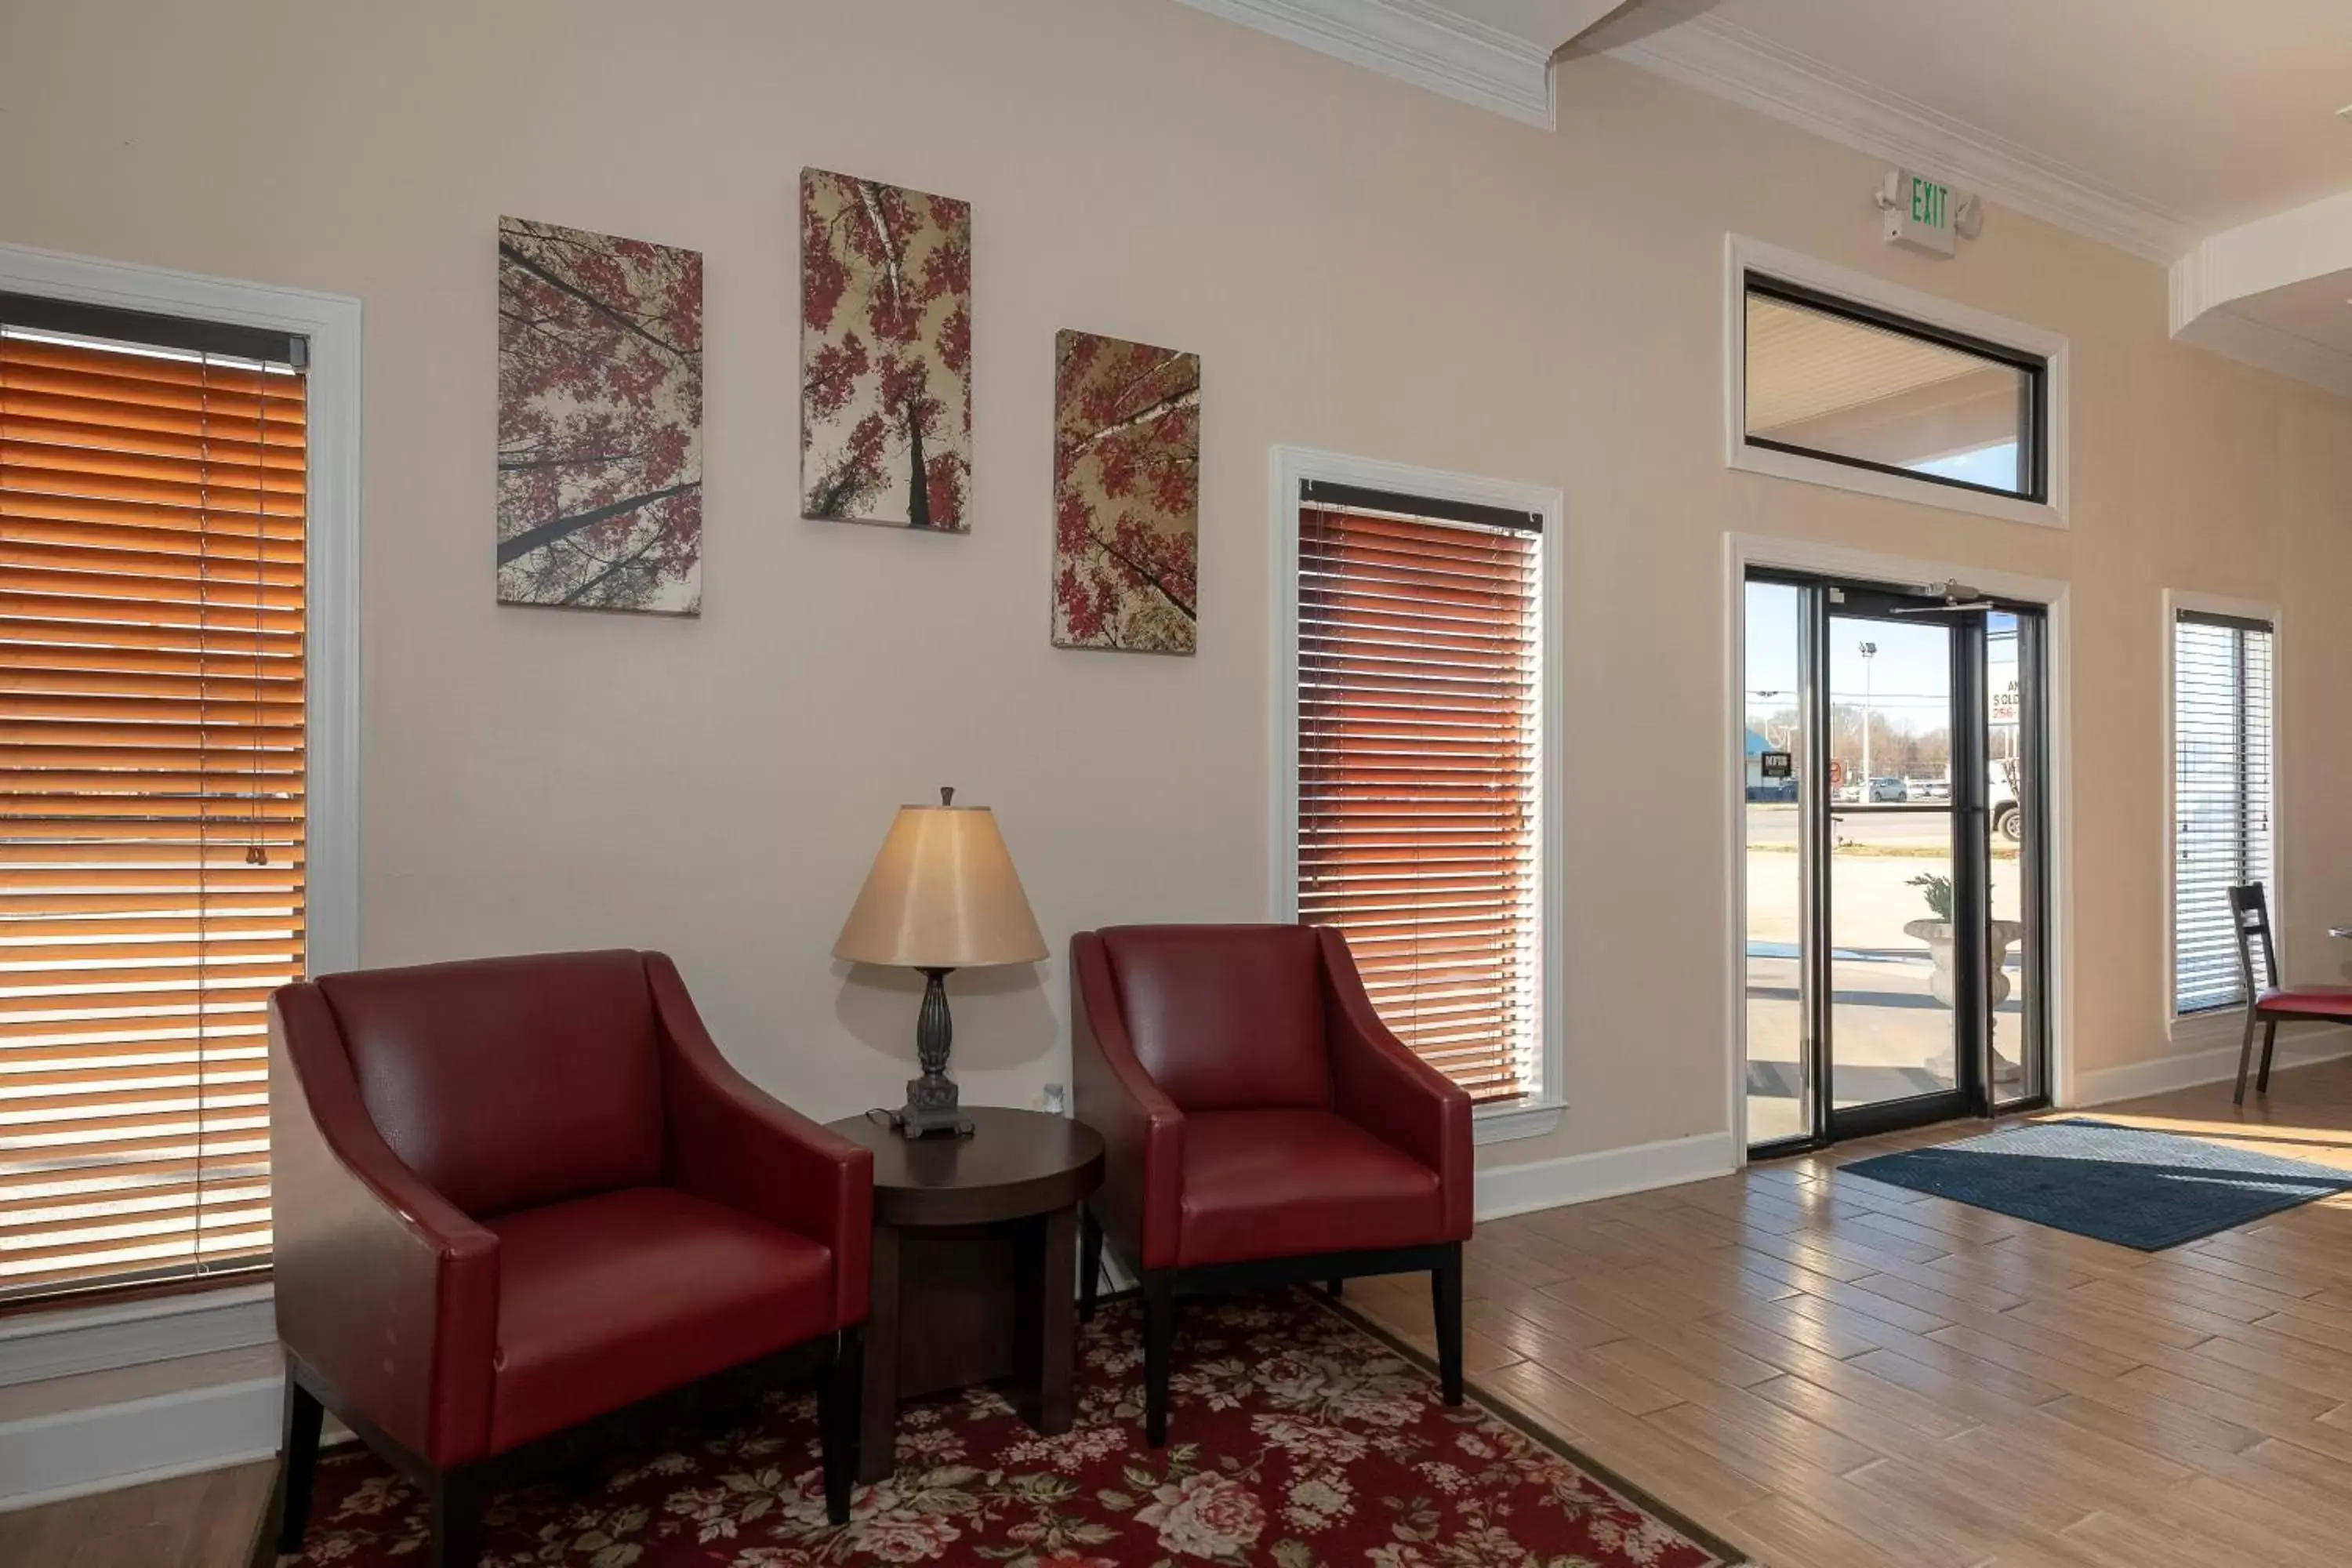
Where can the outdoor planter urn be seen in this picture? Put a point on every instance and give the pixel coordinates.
(1939, 936)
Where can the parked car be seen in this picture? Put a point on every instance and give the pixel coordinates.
(2000, 796)
(1888, 792)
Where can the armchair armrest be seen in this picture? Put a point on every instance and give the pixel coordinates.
(383, 1287)
(1390, 1093)
(734, 1144)
(1142, 1131)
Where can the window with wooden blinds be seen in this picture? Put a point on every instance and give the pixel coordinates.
(1418, 768)
(2222, 775)
(151, 762)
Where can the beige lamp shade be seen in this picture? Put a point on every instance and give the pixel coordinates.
(942, 895)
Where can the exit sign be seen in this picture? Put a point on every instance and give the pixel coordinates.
(1921, 212)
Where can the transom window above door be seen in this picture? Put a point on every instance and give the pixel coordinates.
(1839, 382)
(1841, 379)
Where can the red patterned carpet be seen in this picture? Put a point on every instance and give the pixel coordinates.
(1296, 1440)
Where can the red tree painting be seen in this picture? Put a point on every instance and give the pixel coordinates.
(885, 353)
(600, 421)
(1127, 495)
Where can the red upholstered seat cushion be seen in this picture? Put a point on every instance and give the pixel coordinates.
(1279, 1183)
(1224, 1018)
(509, 1082)
(2330, 1001)
(608, 1300)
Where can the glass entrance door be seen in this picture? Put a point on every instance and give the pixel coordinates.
(1894, 987)
(1892, 783)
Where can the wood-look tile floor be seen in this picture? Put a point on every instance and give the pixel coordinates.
(1832, 1373)
(196, 1521)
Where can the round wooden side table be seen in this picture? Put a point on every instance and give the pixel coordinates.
(975, 1266)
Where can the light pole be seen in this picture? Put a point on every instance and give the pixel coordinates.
(1869, 651)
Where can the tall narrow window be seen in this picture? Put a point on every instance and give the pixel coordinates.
(1418, 768)
(2222, 772)
(152, 764)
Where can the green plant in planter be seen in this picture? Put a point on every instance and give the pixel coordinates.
(1938, 894)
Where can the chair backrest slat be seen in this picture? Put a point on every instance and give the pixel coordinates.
(2250, 921)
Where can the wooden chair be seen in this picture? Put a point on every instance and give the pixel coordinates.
(2250, 921)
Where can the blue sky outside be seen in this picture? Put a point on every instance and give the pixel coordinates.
(1995, 467)
(1909, 676)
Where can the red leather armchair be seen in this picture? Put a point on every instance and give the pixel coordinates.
(520, 1193)
(1263, 1126)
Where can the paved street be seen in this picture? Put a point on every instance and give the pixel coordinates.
(1894, 826)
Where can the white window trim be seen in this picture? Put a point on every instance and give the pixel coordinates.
(1743, 550)
(1743, 255)
(1291, 466)
(90, 1338)
(2219, 1025)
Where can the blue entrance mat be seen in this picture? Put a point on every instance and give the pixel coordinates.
(2129, 1186)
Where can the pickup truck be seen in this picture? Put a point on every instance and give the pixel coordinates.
(2000, 798)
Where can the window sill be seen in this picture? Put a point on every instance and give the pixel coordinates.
(1505, 1123)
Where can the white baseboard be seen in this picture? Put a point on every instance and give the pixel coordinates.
(48, 1459)
(1580, 1178)
(2216, 1064)
(37, 1346)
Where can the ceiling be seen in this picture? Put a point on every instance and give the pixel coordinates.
(2212, 112)
(2202, 134)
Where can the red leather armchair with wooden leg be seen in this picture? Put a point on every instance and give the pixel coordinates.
(519, 1195)
(1262, 1127)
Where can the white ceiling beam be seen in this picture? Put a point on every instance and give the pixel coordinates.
(2217, 286)
(1414, 42)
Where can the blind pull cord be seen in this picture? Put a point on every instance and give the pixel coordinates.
(256, 852)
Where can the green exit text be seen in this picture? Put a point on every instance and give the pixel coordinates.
(1929, 202)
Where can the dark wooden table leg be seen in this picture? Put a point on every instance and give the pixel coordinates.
(1056, 1398)
(877, 1426)
(1047, 1319)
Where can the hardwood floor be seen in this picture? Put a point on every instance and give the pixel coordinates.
(1832, 1373)
(195, 1522)
(1837, 1373)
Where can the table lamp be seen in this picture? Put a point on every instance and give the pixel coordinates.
(942, 896)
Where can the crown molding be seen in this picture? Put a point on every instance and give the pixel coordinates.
(1414, 42)
(1730, 62)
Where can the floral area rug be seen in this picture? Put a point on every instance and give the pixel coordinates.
(1296, 1440)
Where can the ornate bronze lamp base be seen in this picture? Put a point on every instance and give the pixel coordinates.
(932, 1110)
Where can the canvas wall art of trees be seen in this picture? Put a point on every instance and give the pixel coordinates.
(1127, 495)
(885, 355)
(600, 421)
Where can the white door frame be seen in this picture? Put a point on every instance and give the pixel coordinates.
(1743, 550)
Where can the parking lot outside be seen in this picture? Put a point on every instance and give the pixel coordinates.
(1893, 1037)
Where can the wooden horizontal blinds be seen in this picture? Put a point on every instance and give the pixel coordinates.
(152, 553)
(1418, 772)
(2221, 780)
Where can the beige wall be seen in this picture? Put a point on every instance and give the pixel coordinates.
(1364, 267)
